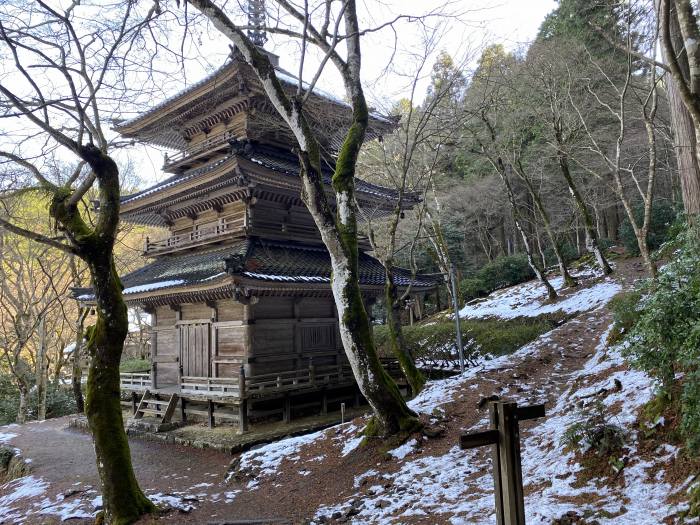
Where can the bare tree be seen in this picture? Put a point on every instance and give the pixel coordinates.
(63, 66)
(326, 25)
(407, 161)
(616, 97)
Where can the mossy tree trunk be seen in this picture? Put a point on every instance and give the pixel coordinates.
(546, 222)
(124, 502)
(338, 228)
(590, 232)
(413, 376)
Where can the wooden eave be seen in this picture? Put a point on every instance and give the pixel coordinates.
(259, 287)
(186, 188)
(178, 102)
(221, 288)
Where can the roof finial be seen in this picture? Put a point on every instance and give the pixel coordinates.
(256, 22)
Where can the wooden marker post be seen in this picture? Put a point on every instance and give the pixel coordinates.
(504, 436)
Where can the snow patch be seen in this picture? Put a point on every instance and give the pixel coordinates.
(530, 300)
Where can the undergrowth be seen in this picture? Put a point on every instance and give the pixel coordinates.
(135, 365)
(659, 328)
(597, 440)
(433, 343)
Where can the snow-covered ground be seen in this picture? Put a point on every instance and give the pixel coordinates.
(451, 483)
(459, 483)
(530, 299)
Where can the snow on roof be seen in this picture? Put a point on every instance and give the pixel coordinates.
(153, 286)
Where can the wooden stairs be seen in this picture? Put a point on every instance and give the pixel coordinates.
(156, 409)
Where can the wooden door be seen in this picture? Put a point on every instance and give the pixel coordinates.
(195, 347)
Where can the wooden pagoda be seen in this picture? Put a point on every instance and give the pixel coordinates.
(243, 318)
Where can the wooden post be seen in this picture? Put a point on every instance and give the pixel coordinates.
(496, 462)
(134, 402)
(458, 326)
(504, 436)
(511, 473)
(312, 372)
(183, 413)
(287, 409)
(243, 415)
(324, 402)
(210, 413)
(243, 406)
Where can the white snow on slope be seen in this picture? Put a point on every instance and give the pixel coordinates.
(459, 484)
(265, 460)
(530, 300)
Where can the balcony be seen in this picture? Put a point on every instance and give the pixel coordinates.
(220, 230)
(198, 153)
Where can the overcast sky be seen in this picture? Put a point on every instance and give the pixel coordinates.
(513, 23)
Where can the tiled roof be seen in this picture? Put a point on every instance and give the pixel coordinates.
(292, 262)
(272, 158)
(284, 76)
(256, 259)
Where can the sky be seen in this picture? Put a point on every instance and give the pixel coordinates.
(390, 59)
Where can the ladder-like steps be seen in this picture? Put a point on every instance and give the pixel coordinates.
(151, 406)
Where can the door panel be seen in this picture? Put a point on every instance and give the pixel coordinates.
(195, 349)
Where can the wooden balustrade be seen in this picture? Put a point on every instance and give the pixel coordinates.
(222, 227)
(214, 142)
(266, 384)
(135, 381)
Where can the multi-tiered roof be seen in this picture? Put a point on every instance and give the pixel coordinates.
(232, 204)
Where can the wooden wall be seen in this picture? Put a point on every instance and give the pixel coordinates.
(289, 332)
(275, 334)
(267, 219)
(202, 340)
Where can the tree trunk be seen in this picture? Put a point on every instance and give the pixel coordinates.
(592, 243)
(124, 502)
(22, 408)
(41, 371)
(569, 281)
(77, 371)
(685, 140)
(539, 272)
(413, 376)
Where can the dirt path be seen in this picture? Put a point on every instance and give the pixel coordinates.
(312, 476)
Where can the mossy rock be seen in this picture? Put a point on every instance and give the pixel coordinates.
(12, 465)
(6, 455)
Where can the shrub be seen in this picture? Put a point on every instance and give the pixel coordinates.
(663, 216)
(594, 432)
(503, 271)
(472, 287)
(626, 312)
(434, 343)
(665, 340)
(135, 365)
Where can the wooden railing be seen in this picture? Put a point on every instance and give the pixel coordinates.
(135, 381)
(200, 147)
(218, 386)
(222, 227)
(266, 384)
